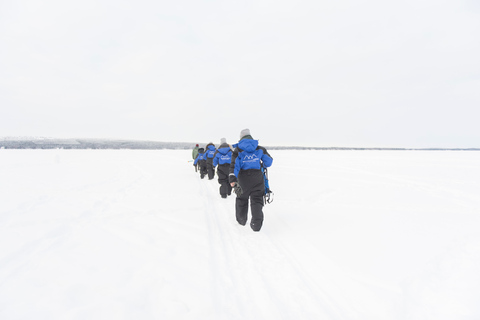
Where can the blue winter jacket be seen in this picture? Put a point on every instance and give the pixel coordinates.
(223, 156)
(200, 156)
(210, 152)
(251, 156)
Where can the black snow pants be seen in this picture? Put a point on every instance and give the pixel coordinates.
(202, 167)
(210, 169)
(253, 187)
(222, 174)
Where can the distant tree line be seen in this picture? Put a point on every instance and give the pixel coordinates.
(356, 148)
(156, 145)
(92, 144)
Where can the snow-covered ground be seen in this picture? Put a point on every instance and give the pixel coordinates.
(103, 234)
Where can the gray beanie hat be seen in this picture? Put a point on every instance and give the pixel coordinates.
(223, 140)
(244, 132)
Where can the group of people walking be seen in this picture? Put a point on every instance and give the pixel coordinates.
(209, 158)
(239, 167)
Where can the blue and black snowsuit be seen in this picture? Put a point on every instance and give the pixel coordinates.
(201, 162)
(222, 158)
(246, 169)
(210, 153)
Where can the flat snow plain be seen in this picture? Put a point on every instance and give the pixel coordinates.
(129, 234)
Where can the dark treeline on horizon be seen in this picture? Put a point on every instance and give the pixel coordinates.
(156, 145)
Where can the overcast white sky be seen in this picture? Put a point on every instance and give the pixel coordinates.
(371, 73)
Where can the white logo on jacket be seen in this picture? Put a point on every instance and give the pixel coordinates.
(225, 158)
(251, 158)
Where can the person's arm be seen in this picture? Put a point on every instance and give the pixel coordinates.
(232, 178)
(266, 158)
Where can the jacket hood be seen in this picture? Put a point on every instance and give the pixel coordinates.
(224, 150)
(248, 145)
(211, 147)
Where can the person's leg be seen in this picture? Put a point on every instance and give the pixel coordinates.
(256, 205)
(224, 188)
(223, 180)
(241, 210)
(211, 171)
(256, 200)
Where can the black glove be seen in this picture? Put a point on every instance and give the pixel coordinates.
(232, 178)
(237, 189)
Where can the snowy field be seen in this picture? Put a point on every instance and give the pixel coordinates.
(104, 234)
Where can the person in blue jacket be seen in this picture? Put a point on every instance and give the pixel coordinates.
(222, 160)
(209, 153)
(201, 162)
(246, 176)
